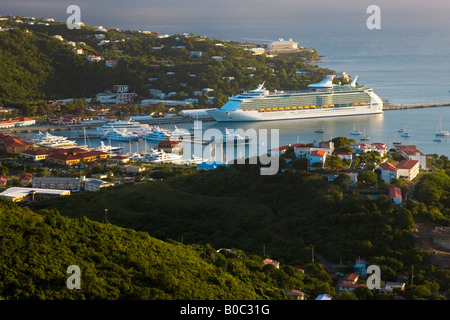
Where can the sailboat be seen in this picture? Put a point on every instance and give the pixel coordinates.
(396, 141)
(355, 132)
(441, 133)
(364, 137)
(320, 130)
(406, 134)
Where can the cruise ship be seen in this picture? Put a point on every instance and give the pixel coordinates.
(323, 99)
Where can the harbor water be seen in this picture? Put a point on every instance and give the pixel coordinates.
(422, 123)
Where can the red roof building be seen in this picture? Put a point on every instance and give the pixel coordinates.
(12, 144)
(395, 194)
(408, 168)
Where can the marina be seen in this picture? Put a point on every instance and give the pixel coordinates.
(379, 127)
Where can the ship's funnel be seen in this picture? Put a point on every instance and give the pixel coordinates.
(354, 81)
(325, 83)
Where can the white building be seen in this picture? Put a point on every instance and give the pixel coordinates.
(408, 169)
(283, 46)
(22, 194)
(411, 152)
(388, 171)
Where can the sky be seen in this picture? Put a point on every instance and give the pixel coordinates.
(184, 13)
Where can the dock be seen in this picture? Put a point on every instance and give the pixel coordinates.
(388, 106)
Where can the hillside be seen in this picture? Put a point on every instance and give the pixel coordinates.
(117, 263)
(37, 66)
(282, 216)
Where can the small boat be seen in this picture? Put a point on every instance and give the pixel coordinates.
(232, 138)
(442, 133)
(437, 140)
(108, 148)
(320, 130)
(355, 132)
(406, 134)
(397, 142)
(196, 160)
(364, 137)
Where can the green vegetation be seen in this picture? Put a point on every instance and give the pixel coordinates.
(38, 67)
(116, 263)
(286, 214)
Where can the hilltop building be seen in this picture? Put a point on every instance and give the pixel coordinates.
(283, 46)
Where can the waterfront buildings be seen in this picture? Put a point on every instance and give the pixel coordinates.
(72, 184)
(22, 194)
(65, 156)
(17, 122)
(10, 144)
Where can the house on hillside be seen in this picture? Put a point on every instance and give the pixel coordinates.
(273, 262)
(349, 283)
(410, 152)
(316, 159)
(395, 194)
(408, 168)
(388, 171)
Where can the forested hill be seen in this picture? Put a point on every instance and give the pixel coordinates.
(116, 263)
(36, 66)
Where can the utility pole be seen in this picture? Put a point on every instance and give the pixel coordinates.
(312, 254)
(105, 216)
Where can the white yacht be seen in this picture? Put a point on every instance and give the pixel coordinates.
(139, 128)
(120, 135)
(165, 157)
(323, 99)
(157, 134)
(51, 141)
(196, 160)
(179, 134)
(108, 148)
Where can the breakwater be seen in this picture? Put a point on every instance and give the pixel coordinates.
(388, 106)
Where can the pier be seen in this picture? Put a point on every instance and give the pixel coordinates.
(388, 106)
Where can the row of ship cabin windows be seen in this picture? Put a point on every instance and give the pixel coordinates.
(312, 107)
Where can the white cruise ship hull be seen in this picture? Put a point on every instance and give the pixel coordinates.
(254, 115)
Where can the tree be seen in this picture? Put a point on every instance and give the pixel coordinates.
(367, 178)
(333, 162)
